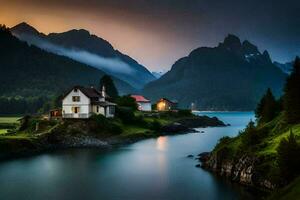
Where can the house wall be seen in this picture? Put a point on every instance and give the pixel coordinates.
(110, 111)
(100, 110)
(144, 106)
(164, 105)
(83, 104)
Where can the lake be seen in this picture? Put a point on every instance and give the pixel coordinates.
(150, 169)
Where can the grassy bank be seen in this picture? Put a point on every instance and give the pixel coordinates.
(34, 132)
(8, 123)
(260, 144)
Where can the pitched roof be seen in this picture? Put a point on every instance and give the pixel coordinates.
(89, 92)
(171, 101)
(140, 98)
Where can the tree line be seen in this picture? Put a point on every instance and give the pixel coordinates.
(288, 150)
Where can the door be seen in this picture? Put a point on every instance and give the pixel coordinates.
(76, 111)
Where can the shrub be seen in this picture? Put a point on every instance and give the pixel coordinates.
(127, 101)
(250, 136)
(115, 128)
(155, 125)
(104, 125)
(183, 113)
(126, 114)
(288, 157)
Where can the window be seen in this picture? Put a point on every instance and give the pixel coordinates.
(75, 109)
(111, 110)
(76, 98)
(97, 109)
(75, 90)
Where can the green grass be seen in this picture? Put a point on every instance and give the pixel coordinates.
(17, 137)
(274, 140)
(290, 192)
(265, 149)
(132, 130)
(3, 131)
(8, 123)
(9, 120)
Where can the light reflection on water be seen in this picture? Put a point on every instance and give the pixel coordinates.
(150, 169)
(161, 143)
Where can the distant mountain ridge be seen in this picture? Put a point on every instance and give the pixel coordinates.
(83, 47)
(29, 73)
(285, 67)
(158, 74)
(231, 76)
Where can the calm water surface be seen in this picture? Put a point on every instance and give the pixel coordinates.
(150, 169)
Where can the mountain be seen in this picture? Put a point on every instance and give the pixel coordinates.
(285, 67)
(158, 74)
(231, 76)
(92, 50)
(28, 72)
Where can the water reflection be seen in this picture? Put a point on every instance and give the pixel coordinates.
(150, 169)
(162, 143)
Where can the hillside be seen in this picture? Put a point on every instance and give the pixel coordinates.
(254, 162)
(231, 76)
(266, 153)
(31, 75)
(90, 49)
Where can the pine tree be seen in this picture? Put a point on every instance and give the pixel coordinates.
(292, 94)
(109, 85)
(288, 157)
(267, 108)
(250, 136)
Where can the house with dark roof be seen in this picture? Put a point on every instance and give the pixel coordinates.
(165, 104)
(143, 103)
(82, 102)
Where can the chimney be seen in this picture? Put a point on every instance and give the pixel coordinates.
(103, 91)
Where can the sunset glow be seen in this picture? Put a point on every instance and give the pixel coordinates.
(156, 34)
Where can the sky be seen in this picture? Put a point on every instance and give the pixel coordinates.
(158, 32)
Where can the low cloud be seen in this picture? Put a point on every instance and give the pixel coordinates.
(108, 65)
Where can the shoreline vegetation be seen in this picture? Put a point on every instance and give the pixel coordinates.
(31, 135)
(265, 155)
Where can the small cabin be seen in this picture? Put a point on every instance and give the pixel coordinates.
(55, 114)
(166, 105)
(143, 103)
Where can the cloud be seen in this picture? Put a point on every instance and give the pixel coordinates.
(108, 65)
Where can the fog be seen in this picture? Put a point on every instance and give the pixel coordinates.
(108, 65)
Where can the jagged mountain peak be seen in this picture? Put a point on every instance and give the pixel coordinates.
(74, 32)
(249, 48)
(232, 42)
(24, 28)
(231, 38)
(212, 77)
(266, 55)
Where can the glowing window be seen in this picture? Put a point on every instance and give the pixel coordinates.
(76, 98)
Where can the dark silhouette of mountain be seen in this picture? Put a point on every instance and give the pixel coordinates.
(158, 74)
(231, 76)
(285, 67)
(90, 49)
(29, 72)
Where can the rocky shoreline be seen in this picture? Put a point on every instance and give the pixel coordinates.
(242, 170)
(63, 139)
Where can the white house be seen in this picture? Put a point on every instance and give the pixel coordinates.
(81, 102)
(143, 103)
